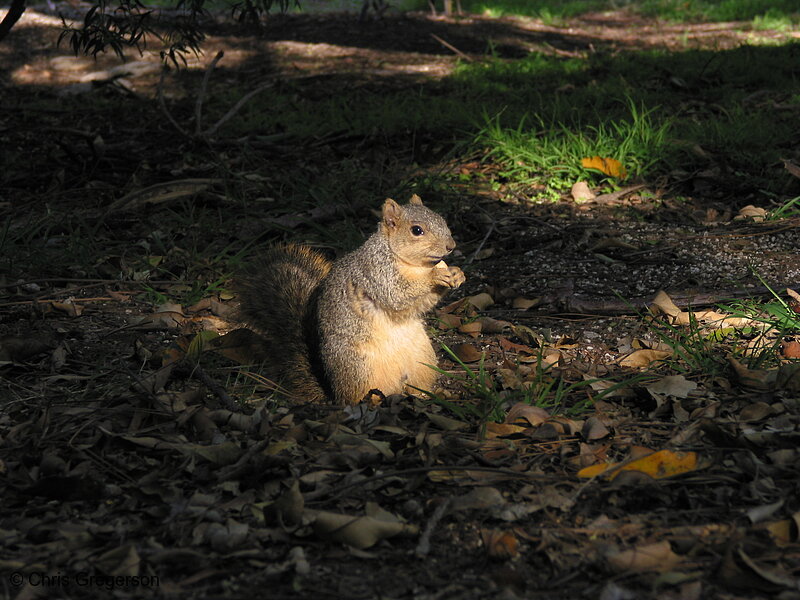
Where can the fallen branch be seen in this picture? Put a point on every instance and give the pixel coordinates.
(450, 46)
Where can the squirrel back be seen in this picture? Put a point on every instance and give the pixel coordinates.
(278, 297)
(354, 326)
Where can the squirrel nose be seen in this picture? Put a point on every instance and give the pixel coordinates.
(451, 243)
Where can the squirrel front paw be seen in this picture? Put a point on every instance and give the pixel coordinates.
(450, 277)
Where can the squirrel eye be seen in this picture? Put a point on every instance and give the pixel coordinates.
(417, 230)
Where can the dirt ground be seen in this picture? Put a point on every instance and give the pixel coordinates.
(126, 473)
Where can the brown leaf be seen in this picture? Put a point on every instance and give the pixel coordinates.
(490, 325)
(494, 430)
(791, 166)
(473, 328)
(521, 303)
(756, 411)
(506, 344)
(581, 193)
(594, 429)
(650, 557)
(447, 320)
(753, 379)
(358, 532)
(522, 412)
(794, 300)
(676, 386)
(69, 307)
(467, 353)
(752, 212)
(481, 301)
(500, 544)
(790, 349)
(643, 358)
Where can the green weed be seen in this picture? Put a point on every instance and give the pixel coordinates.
(551, 152)
(693, 350)
(788, 210)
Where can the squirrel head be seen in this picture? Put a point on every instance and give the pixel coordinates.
(416, 234)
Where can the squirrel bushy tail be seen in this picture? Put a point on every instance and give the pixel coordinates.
(278, 298)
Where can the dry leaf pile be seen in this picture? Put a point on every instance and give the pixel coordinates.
(683, 488)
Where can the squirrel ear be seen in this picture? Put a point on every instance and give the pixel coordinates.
(415, 199)
(392, 213)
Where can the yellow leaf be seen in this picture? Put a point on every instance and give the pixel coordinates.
(608, 166)
(658, 465)
(595, 470)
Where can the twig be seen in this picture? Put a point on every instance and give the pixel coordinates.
(240, 466)
(216, 388)
(46, 300)
(424, 545)
(198, 108)
(480, 246)
(201, 184)
(163, 104)
(450, 46)
(213, 129)
(416, 470)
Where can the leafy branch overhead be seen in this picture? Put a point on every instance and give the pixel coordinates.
(117, 25)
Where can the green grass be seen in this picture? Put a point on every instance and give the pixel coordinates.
(556, 150)
(782, 12)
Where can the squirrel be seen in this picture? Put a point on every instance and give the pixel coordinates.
(341, 330)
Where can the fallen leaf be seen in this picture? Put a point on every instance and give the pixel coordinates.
(490, 325)
(594, 429)
(664, 303)
(581, 193)
(506, 344)
(447, 320)
(757, 411)
(794, 300)
(791, 166)
(358, 532)
(521, 303)
(467, 353)
(500, 544)
(650, 557)
(69, 307)
(754, 379)
(607, 166)
(752, 212)
(523, 412)
(790, 349)
(658, 465)
(643, 358)
(673, 385)
(494, 430)
(472, 328)
(483, 498)
(481, 301)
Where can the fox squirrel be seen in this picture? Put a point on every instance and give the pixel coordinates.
(339, 330)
